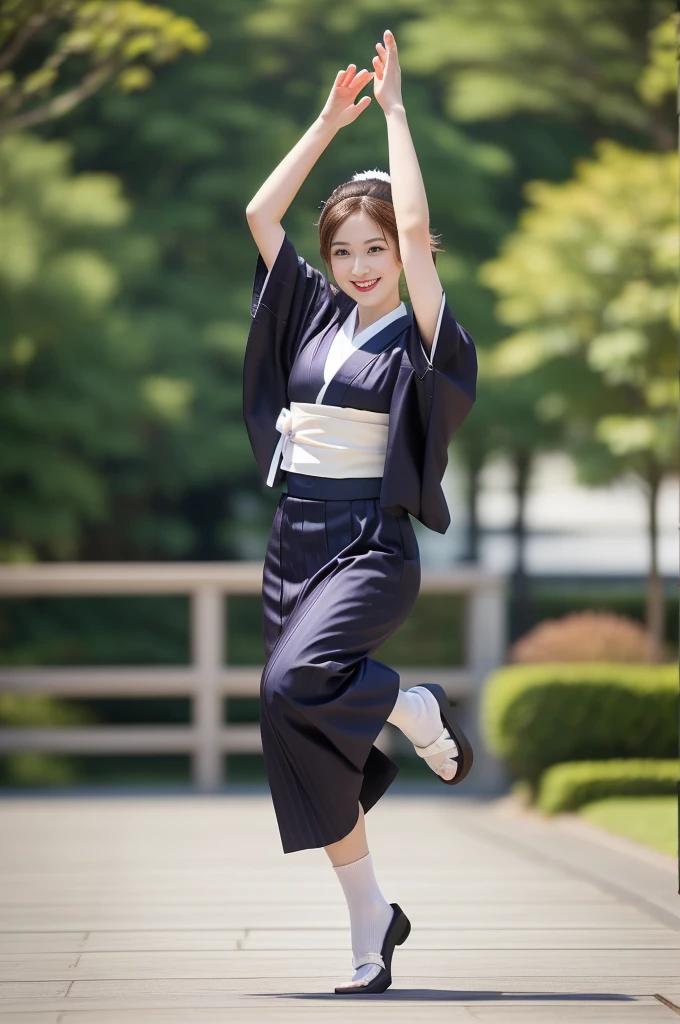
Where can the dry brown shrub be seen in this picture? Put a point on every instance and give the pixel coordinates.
(584, 636)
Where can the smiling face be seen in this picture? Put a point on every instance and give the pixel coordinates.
(364, 263)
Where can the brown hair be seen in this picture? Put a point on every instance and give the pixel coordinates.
(371, 196)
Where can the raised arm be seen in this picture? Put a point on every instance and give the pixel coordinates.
(408, 194)
(267, 207)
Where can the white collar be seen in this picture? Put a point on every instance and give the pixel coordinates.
(368, 332)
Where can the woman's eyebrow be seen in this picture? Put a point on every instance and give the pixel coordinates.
(379, 239)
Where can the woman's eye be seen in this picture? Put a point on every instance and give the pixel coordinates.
(373, 248)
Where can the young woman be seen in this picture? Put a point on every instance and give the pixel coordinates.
(365, 397)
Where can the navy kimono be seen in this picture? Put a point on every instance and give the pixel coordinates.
(342, 566)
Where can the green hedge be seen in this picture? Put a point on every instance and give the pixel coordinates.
(564, 787)
(535, 716)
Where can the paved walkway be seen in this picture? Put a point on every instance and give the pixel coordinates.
(184, 910)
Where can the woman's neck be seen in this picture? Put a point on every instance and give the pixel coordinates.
(368, 315)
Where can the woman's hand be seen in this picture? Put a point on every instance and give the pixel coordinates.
(340, 108)
(387, 81)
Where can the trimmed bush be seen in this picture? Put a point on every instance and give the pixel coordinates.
(535, 716)
(564, 787)
(592, 635)
(552, 599)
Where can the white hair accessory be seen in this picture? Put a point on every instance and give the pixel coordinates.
(367, 175)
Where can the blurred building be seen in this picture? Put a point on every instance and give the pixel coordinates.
(573, 530)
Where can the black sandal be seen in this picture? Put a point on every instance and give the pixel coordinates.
(435, 750)
(398, 932)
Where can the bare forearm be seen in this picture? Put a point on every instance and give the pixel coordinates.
(274, 197)
(408, 191)
(267, 207)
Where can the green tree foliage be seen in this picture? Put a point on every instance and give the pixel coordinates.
(659, 80)
(591, 273)
(576, 60)
(588, 283)
(100, 385)
(180, 398)
(544, 80)
(95, 41)
(68, 396)
(191, 152)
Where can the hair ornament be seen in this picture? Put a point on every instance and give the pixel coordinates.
(367, 175)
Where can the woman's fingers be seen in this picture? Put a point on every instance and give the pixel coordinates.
(360, 107)
(379, 67)
(359, 81)
(354, 80)
(348, 75)
(346, 88)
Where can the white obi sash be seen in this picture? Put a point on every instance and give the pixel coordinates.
(330, 441)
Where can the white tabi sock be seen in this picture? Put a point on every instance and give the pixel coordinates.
(370, 914)
(417, 717)
(416, 712)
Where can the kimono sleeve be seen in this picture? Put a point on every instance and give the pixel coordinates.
(432, 398)
(291, 302)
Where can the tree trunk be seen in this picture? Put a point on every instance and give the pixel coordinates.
(523, 617)
(654, 611)
(473, 461)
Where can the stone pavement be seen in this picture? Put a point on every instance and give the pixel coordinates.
(184, 910)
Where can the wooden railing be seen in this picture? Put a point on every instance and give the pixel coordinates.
(209, 677)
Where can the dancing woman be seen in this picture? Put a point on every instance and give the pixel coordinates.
(365, 397)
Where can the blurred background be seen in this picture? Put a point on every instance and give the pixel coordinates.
(133, 521)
